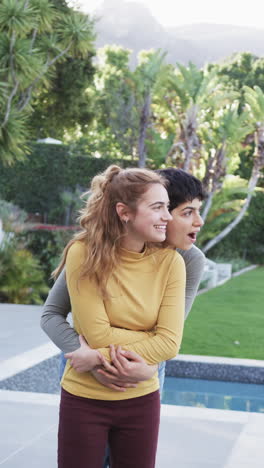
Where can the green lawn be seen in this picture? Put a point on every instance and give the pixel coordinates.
(227, 314)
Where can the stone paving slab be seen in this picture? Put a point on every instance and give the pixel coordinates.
(189, 437)
(29, 431)
(20, 330)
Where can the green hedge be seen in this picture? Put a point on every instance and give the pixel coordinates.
(36, 183)
(246, 240)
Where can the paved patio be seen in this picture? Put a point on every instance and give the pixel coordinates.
(189, 437)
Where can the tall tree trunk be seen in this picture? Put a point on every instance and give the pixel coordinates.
(207, 180)
(2, 234)
(144, 121)
(207, 206)
(257, 166)
(188, 154)
(214, 176)
(188, 139)
(190, 136)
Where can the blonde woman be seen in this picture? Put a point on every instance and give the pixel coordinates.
(134, 293)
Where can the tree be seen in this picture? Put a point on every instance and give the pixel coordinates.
(149, 73)
(186, 94)
(124, 97)
(34, 36)
(66, 105)
(223, 141)
(255, 101)
(242, 69)
(115, 97)
(210, 129)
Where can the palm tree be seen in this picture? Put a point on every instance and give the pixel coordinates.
(224, 139)
(189, 88)
(255, 105)
(148, 75)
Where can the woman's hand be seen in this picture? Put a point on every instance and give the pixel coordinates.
(126, 369)
(126, 366)
(111, 382)
(84, 359)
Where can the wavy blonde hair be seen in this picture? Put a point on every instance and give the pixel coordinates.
(101, 227)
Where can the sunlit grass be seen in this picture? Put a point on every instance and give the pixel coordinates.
(228, 320)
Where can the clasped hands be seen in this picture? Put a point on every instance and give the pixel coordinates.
(125, 370)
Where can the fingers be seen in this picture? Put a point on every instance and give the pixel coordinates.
(107, 365)
(131, 355)
(68, 355)
(122, 387)
(126, 385)
(115, 387)
(114, 358)
(106, 374)
(117, 380)
(118, 360)
(123, 360)
(103, 360)
(109, 378)
(82, 340)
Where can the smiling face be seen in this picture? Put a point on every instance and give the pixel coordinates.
(186, 223)
(149, 222)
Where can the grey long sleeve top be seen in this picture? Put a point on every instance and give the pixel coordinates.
(57, 306)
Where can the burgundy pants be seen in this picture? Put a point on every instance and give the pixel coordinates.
(130, 426)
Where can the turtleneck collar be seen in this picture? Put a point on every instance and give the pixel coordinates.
(132, 254)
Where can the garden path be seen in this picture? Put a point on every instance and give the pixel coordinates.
(189, 437)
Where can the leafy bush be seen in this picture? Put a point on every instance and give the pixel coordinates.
(47, 246)
(36, 184)
(225, 207)
(21, 277)
(245, 241)
(11, 215)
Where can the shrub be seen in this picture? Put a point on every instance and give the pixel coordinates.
(47, 246)
(245, 241)
(21, 277)
(11, 215)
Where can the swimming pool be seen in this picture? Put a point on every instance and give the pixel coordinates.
(214, 394)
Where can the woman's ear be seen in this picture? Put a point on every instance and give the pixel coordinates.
(123, 212)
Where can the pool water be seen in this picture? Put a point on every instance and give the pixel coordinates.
(214, 394)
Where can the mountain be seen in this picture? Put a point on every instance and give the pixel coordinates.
(132, 25)
(217, 41)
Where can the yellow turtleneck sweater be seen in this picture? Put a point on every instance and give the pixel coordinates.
(144, 313)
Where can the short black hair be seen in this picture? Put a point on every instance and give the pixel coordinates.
(181, 186)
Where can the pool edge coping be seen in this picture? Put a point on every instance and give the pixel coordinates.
(216, 368)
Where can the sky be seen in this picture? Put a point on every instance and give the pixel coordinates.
(175, 13)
